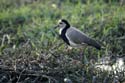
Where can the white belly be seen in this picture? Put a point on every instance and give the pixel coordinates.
(75, 45)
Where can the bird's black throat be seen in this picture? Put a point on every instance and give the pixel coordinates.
(63, 35)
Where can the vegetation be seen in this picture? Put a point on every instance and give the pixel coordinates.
(31, 50)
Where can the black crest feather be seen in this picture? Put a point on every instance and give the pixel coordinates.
(66, 22)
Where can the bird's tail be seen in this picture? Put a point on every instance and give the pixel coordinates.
(95, 44)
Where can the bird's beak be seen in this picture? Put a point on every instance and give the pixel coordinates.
(56, 26)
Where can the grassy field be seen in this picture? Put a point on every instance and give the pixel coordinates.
(31, 50)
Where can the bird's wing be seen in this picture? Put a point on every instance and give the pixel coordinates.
(76, 36)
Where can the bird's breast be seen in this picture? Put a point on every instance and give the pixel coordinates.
(63, 35)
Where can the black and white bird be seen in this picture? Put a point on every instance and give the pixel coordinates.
(74, 37)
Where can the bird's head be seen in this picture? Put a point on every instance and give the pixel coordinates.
(62, 24)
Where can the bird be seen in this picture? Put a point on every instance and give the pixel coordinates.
(74, 37)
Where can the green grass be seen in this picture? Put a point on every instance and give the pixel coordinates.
(98, 20)
(32, 24)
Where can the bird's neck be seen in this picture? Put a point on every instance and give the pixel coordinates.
(64, 28)
(63, 34)
(60, 31)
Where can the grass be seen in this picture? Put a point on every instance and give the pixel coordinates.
(26, 31)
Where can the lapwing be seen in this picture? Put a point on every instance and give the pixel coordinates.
(74, 37)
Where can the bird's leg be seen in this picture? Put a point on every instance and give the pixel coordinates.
(82, 53)
(69, 48)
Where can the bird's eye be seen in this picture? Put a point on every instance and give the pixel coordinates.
(60, 23)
